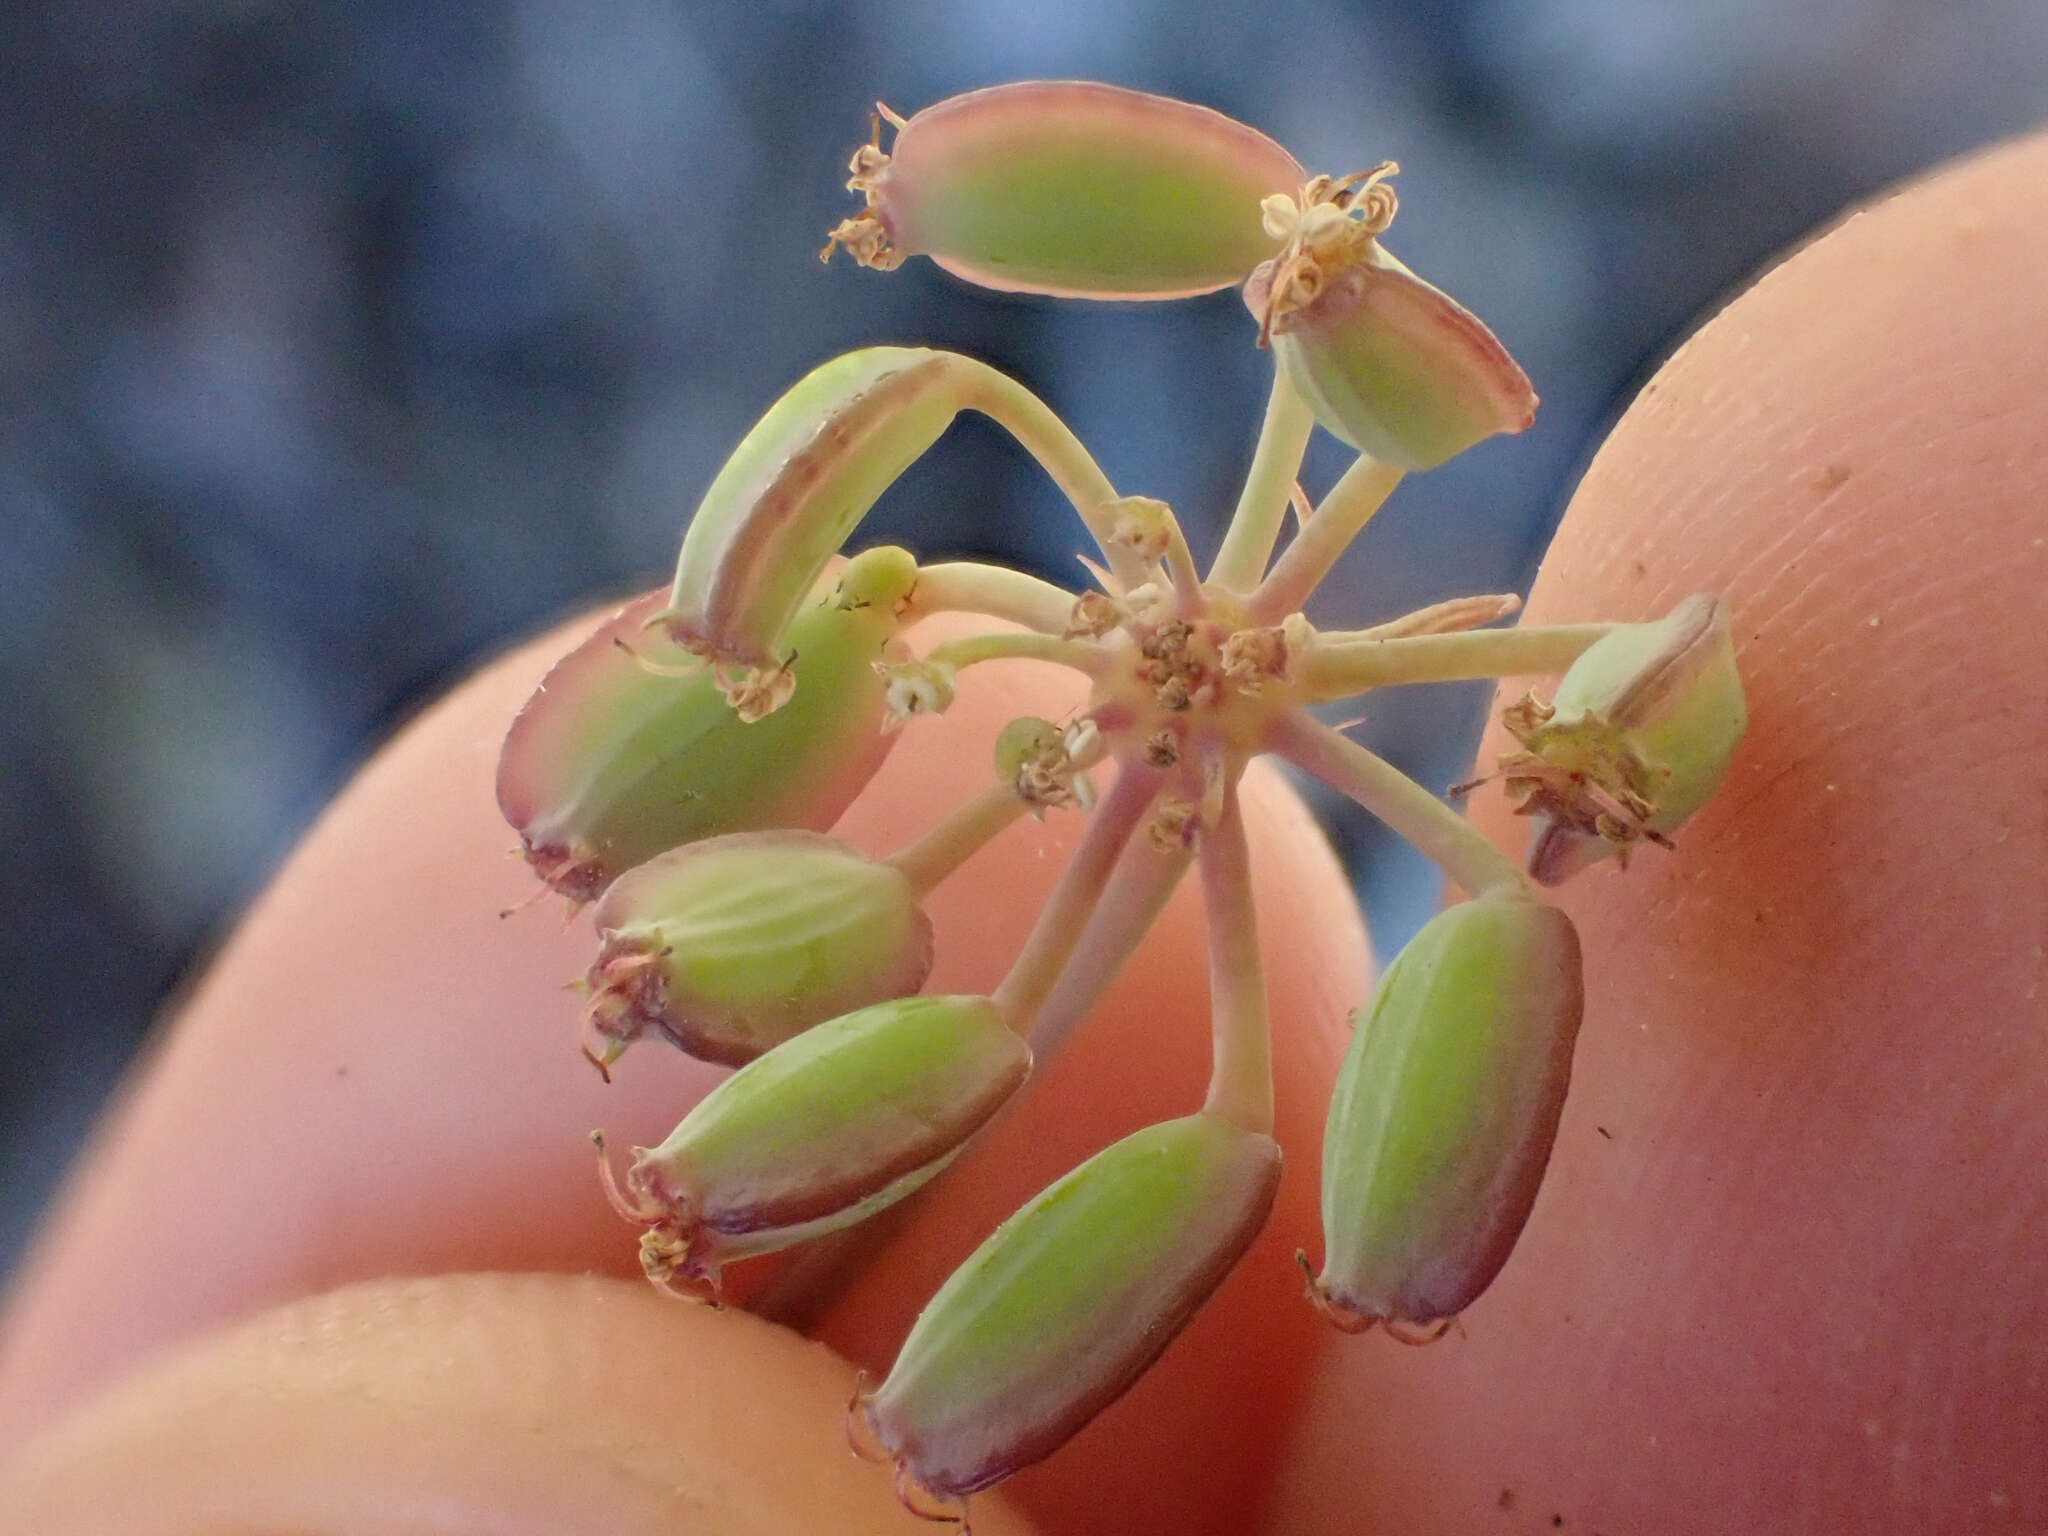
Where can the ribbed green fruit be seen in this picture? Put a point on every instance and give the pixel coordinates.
(1444, 1113)
(824, 1131)
(610, 763)
(1080, 189)
(734, 944)
(1069, 1301)
(1394, 366)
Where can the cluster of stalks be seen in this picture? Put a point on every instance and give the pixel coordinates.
(683, 766)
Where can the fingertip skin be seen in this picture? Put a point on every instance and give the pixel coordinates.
(465, 1405)
(1785, 1271)
(404, 1096)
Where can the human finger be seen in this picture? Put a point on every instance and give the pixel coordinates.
(378, 1076)
(1785, 1271)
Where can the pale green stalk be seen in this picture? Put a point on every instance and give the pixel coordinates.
(1335, 670)
(1144, 880)
(1347, 508)
(1180, 563)
(964, 833)
(1446, 838)
(1062, 455)
(1014, 645)
(1241, 1069)
(1064, 918)
(968, 586)
(1262, 505)
(1475, 610)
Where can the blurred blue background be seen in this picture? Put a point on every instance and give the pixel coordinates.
(341, 343)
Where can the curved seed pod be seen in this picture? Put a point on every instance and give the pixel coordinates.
(735, 944)
(1066, 1305)
(1444, 1113)
(611, 762)
(821, 1132)
(794, 489)
(1073, 188)
(1393, 366)
(1638, 737)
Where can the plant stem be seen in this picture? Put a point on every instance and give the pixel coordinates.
(968, 586)
(1011, 645)
(1241, 1070)
(1445, 618)
(1347, 508)
(1449, 841)
(1022, 993)
(1180, 564)
(1138, 890)
(965, 832)
(1262, 505)
(1337, 669)
(1063, 456)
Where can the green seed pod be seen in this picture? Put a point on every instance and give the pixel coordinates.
(735, 944)
(1638, 738)
(822, 1132)
(1444, 1114)
(1073, 188)
(611, 762)
(1393, 366)
(795, 488)
(1066, 1305)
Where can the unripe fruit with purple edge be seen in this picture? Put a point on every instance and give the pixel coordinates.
(732, 945)
(1444, 1113)
(610, 763)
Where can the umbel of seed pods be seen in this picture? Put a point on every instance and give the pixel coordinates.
(683, 766)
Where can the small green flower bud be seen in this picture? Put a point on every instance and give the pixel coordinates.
(821, 1132)
(1070, 187)
(732, 945)
(885, 575)
(794, 489)
(611, 761)
(1393, 366)
(1066, 1304)
(1026, 742)
(1444, 1113)
(1638, 738)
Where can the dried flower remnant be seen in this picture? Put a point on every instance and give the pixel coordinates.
(1326, 226)
(1095, 615)
(1637, 738)
(855, 1090)
(918, 687)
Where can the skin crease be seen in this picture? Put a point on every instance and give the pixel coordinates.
(378, 1077)
(469, 1404)
(1786, 1273)
(1795, 1286)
